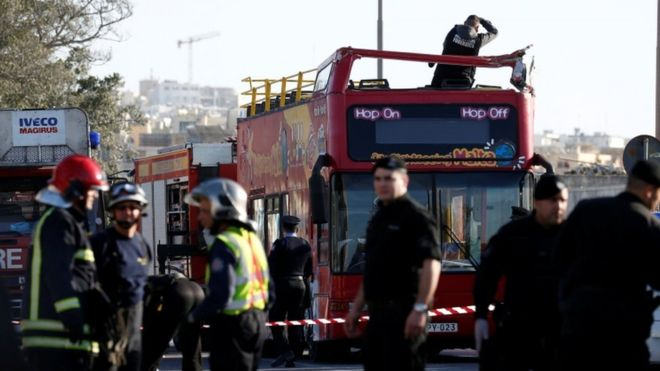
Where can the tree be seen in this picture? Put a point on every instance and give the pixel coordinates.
(45, 54)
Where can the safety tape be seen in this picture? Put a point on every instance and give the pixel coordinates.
(439, 312)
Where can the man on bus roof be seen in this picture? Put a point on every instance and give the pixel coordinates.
(462, 39)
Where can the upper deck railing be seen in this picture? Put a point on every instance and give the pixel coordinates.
(264, 96)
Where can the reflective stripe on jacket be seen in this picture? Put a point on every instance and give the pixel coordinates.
(61, 270)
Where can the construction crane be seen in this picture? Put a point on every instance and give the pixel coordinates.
(190, 41)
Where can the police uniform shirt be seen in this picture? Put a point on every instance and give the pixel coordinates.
(464, 40)
(400, 236)
(289, 257)
(122, 264)
(523, 252)
(610, 248)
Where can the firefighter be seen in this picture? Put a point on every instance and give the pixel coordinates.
(608, 254)
(169, 298)
(522, 252)
(290, 263)
(401, 273)
(122, 255)
(61, 271)
(237, 277)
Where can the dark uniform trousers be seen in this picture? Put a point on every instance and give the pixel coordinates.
(166, 307)
(612, 326)
(289, 294)
(521, 346)
(385, 347)
(237, 341)
(132, 318)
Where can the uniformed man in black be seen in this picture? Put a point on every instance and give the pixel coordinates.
(290, 262)
(122, 256)
(402, 269)
(462, 39)
(608, 256)
(522, 252)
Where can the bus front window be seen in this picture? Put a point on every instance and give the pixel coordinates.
(473, 206)
(469, 208)
(353, 204)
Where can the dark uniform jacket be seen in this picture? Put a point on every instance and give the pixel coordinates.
(122, 265)
(290, 257)
(607, 254)
(462, 40)
(523, 252)
(61, 274)
(400, 236)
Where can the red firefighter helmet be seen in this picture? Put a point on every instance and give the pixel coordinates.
(80, 172)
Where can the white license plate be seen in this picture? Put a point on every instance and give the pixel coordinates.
(442, 327)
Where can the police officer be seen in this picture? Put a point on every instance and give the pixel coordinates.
(290, 263)
(401, 273)
(122, 255)
(61, 271)
(463, 39)
(522, 252)
(237, 276)
(608, 256)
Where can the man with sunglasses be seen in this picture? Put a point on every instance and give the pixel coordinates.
(122, 258)
(401, 273)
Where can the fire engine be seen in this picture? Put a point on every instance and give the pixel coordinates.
(170, 227)
(32, 142)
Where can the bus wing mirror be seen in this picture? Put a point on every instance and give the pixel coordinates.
(318, 192)
(318, 196)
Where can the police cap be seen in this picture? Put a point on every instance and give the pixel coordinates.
(390, 163)
(290, 220)
(647, 171)
(548, 186)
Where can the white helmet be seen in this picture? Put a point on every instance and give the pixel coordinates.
(127, 191)
(228, 199)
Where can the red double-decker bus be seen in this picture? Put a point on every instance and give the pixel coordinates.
(308, 151)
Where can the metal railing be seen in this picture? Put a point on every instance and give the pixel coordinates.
(265, 89)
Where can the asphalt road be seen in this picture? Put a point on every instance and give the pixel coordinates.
(454, 360)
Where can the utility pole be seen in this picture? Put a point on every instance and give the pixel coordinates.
(380, 37)
(190, 41)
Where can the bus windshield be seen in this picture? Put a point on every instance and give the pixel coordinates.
(469, 208)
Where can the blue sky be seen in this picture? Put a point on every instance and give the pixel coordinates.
(595, 59)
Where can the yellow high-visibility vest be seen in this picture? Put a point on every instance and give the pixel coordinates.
(251, 271)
